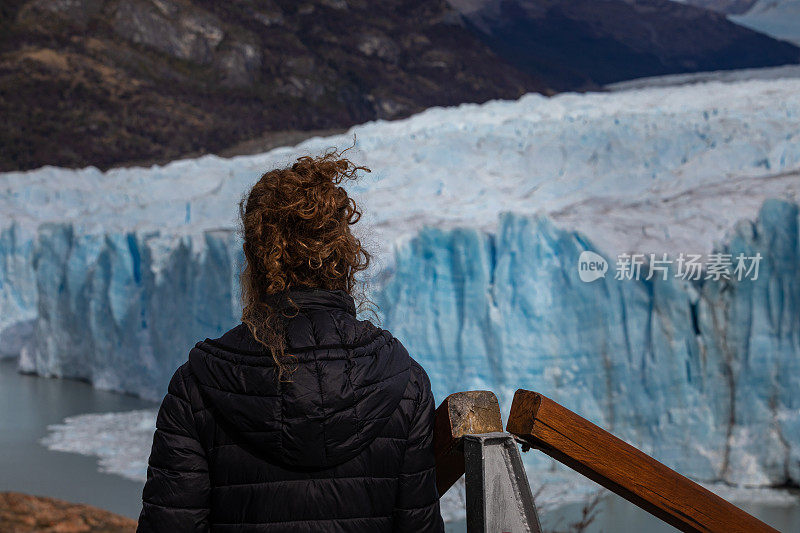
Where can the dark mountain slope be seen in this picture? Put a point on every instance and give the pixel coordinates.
(108, 81)
(582, 43)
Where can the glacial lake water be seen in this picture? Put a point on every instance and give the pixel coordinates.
(28, 404)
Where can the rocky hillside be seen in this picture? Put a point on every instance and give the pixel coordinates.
(21, 513)
(108, 81)
(580, 43)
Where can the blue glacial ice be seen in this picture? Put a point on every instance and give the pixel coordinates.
(121, 309)
(17, 297)
(704, 376)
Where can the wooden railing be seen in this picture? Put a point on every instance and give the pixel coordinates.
(540, 423)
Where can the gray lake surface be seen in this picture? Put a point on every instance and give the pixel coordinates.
(28, 404)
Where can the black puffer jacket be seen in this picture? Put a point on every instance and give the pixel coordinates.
(345, 446)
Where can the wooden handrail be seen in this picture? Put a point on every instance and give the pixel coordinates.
(460, 414)
(623, 469)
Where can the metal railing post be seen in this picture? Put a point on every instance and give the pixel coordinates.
(499, 498)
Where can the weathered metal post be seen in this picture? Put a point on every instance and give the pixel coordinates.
(499, 497)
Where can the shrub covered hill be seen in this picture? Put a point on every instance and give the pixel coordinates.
(109, 82)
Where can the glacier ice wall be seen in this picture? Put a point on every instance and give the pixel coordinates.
(113, 276)
(121, 310)
(17, 299)
(752, 330)
(705, 376)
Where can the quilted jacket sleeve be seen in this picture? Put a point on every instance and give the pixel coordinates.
(417, 507)
(176, 495)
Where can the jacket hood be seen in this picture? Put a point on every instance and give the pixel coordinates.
(349, 378)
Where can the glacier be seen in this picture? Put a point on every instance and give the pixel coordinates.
(17, 293)
(96, 267)
(121, 309)
(702, 375)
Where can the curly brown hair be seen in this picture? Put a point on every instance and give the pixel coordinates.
(295, 224)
